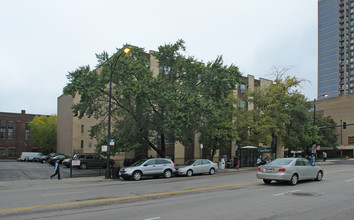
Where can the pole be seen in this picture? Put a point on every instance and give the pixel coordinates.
(341, 138)
(314, 111)
(108, 165)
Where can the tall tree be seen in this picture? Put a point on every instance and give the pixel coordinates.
(218, 129)
(273, 103)
(44, 132)
(147, 109)
(300, 132)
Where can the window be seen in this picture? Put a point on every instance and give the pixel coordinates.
(151, 162)
(2, 133)
(243, 86)
(299, 163)
(82, 144)
(82, 128)
(206, 162)
(27, 137)
(198, 162)
(12, 152)
(89, 157)
(10, 124)
(3, 124)
(10, 133)
(2, 151)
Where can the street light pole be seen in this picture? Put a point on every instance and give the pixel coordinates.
(341, 138)
(314, 107)
(112, 67)
(314, 116)
(314, 111)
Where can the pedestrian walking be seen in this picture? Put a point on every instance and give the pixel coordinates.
(313, 159)
(324, 156)
(57, 170)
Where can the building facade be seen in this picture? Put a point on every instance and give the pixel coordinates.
(341, 109)
(335, 48)
(73, 133)
(15, 135)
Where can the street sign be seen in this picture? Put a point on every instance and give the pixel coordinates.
(201, 146)
(75, 162)
(236, 147)
(318, 147)
(341, 146)
(265, 150)
(111, 142)
(104, 148)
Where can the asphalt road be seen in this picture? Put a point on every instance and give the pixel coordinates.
(226, 195)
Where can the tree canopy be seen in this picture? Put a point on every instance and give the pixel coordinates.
(150, 109)
(44, 132)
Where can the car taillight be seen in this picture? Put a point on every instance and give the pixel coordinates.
(281, 170)
(258, 169)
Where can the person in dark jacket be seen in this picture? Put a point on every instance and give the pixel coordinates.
(57, 170)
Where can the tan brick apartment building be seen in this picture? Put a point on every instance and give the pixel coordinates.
(15, 135)
(340, 108)
(73, 133)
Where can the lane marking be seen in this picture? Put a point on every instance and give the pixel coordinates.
(123, 198)
(280, 194)
(350, 180)
(338, 171)
(153, 218)
(65, 193)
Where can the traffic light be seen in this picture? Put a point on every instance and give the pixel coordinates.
(344, 125)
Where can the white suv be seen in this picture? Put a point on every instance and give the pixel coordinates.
(149, 167)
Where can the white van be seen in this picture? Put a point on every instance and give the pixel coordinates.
(28, 156)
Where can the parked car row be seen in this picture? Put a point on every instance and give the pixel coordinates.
(88, 161)
(165, 167)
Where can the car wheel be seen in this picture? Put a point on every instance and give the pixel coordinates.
(137, 175)
(212, 171)
(267, 181)
(294, 179)
(319, 176)
(167, 174)
(83, 166)
(189, 173)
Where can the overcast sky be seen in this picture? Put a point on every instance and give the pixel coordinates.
(42, 40)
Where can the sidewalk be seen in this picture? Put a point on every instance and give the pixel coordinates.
(47, 182)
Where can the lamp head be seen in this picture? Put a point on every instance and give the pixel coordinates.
(126, 50)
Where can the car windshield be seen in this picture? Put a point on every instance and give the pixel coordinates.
(189, 162)
(139, 162)
(282, 161)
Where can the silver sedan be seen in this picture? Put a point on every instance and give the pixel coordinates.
(289, 169)
(197, 166)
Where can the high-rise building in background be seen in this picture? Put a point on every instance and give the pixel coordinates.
(335, 47)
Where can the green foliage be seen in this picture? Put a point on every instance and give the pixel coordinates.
(300, 132)
(149, 109)
(327, 136)
(44, 132)
(272, 107)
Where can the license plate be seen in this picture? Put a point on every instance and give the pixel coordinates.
(268, 170)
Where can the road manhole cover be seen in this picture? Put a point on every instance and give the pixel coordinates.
(305, 194)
